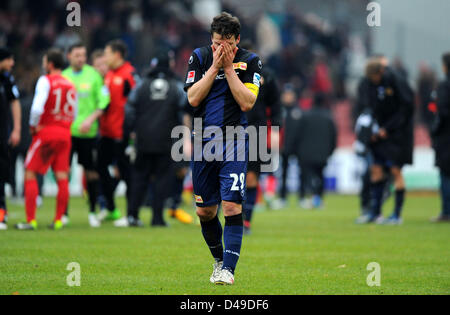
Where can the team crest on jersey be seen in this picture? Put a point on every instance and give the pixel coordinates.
(389, 91)
(118, 81)
(198, 199)
(190, 77)
(240, 65)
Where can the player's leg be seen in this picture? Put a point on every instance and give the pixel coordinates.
(377, 189)
(3, 213)
(61, 168)
(318, 186)
(163, 170)
(284, 169)
(232, 190)
(176, 196)
(400, 189)
(62, 199)
(138, 189)
(205, 181)
(249, 205)
(3, 176)
(37, 161)
(87, 158)
(105, 159)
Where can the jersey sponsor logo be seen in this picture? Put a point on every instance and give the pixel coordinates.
(257, 80)
(85, 86)
(240, 66)
(198, 199)
(191, 60)
(190, 77)
(260, 64)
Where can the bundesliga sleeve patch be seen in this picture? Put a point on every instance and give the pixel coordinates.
(190, 77)
(257, 80)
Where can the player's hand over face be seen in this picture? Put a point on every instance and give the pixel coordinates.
(217, 57)
(229, 55)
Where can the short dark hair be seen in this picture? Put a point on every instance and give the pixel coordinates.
(226, 25)
(446, 60)
(76, 45)
(373, 67)
(56, 57)
(96, 54)
(119, 46)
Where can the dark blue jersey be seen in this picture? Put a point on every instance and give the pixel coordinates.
(219, 108)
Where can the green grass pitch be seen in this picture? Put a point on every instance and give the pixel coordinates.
(291, 251)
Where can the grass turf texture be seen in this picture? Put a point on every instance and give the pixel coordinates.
(290, 252)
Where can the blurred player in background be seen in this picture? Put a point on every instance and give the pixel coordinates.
(120, 80)
(153, 110)
(52, 114)
(98, 61)
(267, 110)
(441, 138)
(315, 139)
(93, 98)
(222, 83)
(391, 102)
(9, 105)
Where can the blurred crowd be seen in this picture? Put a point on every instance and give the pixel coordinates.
(301, 48)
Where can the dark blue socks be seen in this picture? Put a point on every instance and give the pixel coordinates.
(249, 204)
(377, 198)
(399, 200)
(212, 232)
(234, 229)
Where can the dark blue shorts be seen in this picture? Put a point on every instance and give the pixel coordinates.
(385, 162)
(215, 181)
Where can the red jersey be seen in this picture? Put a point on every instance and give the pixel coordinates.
(54, 104)
(120, 82)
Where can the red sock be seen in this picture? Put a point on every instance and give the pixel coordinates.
(31, 193)
(62, 199)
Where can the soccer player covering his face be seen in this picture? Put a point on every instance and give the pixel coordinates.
(222, 84)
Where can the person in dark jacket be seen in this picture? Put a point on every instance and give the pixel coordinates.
(9, 124)
(362, 109)
(153, 111)
(292, 114)
(391, 102)
(315, 140)
(441, 139)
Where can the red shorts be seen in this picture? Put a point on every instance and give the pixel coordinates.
(50, 147)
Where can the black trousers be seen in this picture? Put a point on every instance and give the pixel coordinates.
(111, 152)
(315, 177)
(149, 168)
(302, 177)
(4, 170)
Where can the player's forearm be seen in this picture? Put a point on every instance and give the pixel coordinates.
(242, 95)
(198, 92)
(96, 115)
(17, 115)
